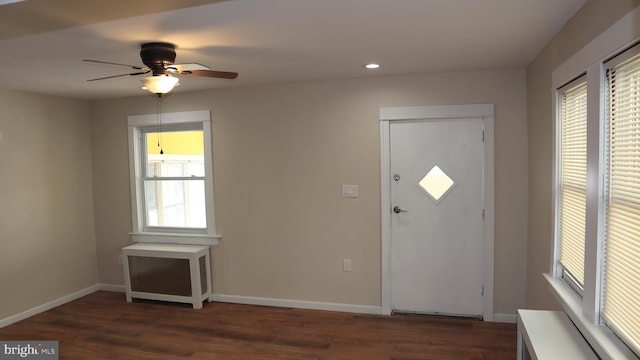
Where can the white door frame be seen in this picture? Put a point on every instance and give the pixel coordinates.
(388, 114)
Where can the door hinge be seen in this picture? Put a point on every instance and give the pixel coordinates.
(482, 292)
(482, 135)
(483, 214)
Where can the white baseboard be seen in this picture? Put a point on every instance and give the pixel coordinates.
(505, 318)
(111, 287)
(298, 304)
(47, 306)
(237, 299)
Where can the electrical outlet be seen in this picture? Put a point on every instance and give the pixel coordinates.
(346, 265)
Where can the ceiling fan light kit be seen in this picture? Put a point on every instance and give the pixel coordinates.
(159, 59)
(160, 84)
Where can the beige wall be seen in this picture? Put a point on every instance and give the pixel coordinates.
(281, 154)
(595, 17)
(47, 235)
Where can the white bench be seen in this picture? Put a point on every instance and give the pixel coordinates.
(150, 268)
(545, 335)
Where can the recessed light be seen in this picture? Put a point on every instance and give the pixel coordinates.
(372, 66)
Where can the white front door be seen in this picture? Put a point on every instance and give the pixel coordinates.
(437, 253)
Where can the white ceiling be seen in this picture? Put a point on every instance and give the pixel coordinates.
(282, 41)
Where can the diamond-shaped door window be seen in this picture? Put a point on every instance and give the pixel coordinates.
(436, 184)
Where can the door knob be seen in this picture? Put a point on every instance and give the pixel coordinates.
(398, 210)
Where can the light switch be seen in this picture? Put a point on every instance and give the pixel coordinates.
(346, 265)
(350, 191)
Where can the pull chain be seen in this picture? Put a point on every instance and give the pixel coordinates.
(158, 111)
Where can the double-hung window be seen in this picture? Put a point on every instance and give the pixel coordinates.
(572, 181)
(621, 270)
(596, 269)
(172, 178)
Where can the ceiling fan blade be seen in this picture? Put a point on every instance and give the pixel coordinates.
(115, 76)
(187, 67)
(210, 73)
(114, 64)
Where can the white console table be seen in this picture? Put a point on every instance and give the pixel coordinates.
(167, 272)
(550, 335)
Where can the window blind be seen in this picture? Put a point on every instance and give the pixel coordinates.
(573, 178)
(621, 295)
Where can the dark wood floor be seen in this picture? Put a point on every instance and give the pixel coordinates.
(104, 326)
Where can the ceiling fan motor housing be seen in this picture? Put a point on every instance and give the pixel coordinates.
(157, 56)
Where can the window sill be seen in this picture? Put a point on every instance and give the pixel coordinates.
(166, 238)
(603, 341)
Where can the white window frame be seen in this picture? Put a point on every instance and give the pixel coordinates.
(139, 234)
(585, 311)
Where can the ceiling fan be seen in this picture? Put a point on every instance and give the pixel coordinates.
(159, 59)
